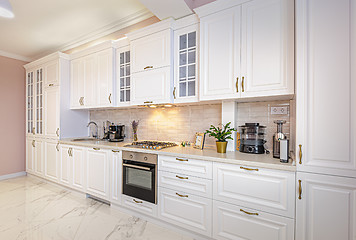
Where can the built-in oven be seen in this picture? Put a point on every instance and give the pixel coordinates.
(139, 175)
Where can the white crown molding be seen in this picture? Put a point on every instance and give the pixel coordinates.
(14, 56)
(217, 6)
(52, 57)
(104, 31)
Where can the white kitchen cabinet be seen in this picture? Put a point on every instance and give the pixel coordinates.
(246, 50)
(30, 89)
(142, 207)
(186, 210)
(92, 77)
(65, 166)
(39, 109)
(326, 207)
(123, 74)
(231, 222)
(30, 154)
(151, 51)
(153, 86)
(52, 158)
(78, 159)
(186, 64)
(116, 176)
(264, 189)
(326, 87)
(51, 70)
(39, 157)
(97, 173)
(52, 113)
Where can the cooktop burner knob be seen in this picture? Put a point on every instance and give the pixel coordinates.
(145, 158)
(131, 156)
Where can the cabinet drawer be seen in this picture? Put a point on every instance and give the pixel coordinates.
(186, 210)
(139, 205)
(192, 185)
(233, 222)
(186, 166)
(267, 190)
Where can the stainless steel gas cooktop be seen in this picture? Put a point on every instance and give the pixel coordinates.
(155, 145)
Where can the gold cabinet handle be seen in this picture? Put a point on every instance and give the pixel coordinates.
(248, 213)
(249, 169)
(300, 189)
(115, 151)
(147, 102)
(69, 152)
(50, 85)
(110, 97)
(80, 101)
(243, 84)
(57, 146)
(300, 154)
(33, 143)
(147, 67)
(181, 177)
(136, 201)
(96, 149)
(182, 160)
(174, 93)
(57, 132)
(237, 84)
(180, 195)
(33, 130)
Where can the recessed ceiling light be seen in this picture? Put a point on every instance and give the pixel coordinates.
(6, 9)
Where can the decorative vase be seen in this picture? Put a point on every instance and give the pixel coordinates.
(221, 147)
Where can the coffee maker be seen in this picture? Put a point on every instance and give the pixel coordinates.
(116, 133)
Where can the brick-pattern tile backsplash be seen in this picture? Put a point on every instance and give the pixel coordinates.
(170, 124)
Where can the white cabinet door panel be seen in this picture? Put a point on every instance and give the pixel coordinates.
(91, 77)
(105, 78)
(116, 176)
(52, 160)
(220, 54)
(77, 81)
(327, 208)
(52, 105)
(233, 222)
(78, 168)
(186, 210)
(139, 205)
(39, 157)
(65, 166)
(51, 74)
(30, 154)
(264, 189)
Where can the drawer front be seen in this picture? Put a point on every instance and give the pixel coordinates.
(186, 210)
(187, 166)
(139, 205)
(267, 190)
(233, 222)
(192, 185)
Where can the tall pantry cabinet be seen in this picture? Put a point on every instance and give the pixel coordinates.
(326, 119)
(48, 117)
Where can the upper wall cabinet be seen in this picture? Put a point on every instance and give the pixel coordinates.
(92, 77)
(246, 49)
(326, 86)
(186, 51)
(152, 64)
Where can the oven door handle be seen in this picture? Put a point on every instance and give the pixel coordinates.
(134, 166)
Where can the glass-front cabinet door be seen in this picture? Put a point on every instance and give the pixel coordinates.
(39, 101)
(124, 73)
(30, 103)
(186, 54)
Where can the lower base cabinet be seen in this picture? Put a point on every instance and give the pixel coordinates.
(52, 158)
(116, 176)
(78, 168)
(186, 210)
(30, 154)
(139, 206)
(232, 222)
(326, 207)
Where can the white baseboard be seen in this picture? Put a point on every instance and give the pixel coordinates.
(12, 175)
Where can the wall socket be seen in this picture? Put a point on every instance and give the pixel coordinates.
(279, 110)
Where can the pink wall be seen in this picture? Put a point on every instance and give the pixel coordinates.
(12, 116)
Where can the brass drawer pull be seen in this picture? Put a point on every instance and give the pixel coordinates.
(110, 98)
(249, 169)
(57, 146)
(147, 102)
(300, 189)
(33, 143)
(243, 84)
(57, 132)
(237, 84)
(180, 195)
(181, 177)
(33, 130)
(174, 93)
(96, 149)
(147, 67)
(115, 151)
(182, 160)
(50, 85)
(248, 213)
(136, 201)
(300, 154)
(69, 152)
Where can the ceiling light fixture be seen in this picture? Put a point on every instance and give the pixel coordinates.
(6, 9)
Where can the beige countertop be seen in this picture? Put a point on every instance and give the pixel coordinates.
(253, 160)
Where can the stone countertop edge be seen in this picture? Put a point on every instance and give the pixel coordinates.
(237, 158)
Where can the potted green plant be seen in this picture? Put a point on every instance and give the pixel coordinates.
(221, 135)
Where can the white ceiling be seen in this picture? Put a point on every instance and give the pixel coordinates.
(41, 27)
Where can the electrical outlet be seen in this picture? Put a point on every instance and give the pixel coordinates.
(279, 110)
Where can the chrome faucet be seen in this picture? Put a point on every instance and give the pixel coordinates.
(95, 135)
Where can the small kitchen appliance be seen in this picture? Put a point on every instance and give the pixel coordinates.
(279, 135)
(252, 138)
(116, 133)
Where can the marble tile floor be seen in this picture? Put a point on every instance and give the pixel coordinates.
(33, 209)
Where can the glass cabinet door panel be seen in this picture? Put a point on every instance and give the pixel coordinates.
(125, 76)
(30, 102)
